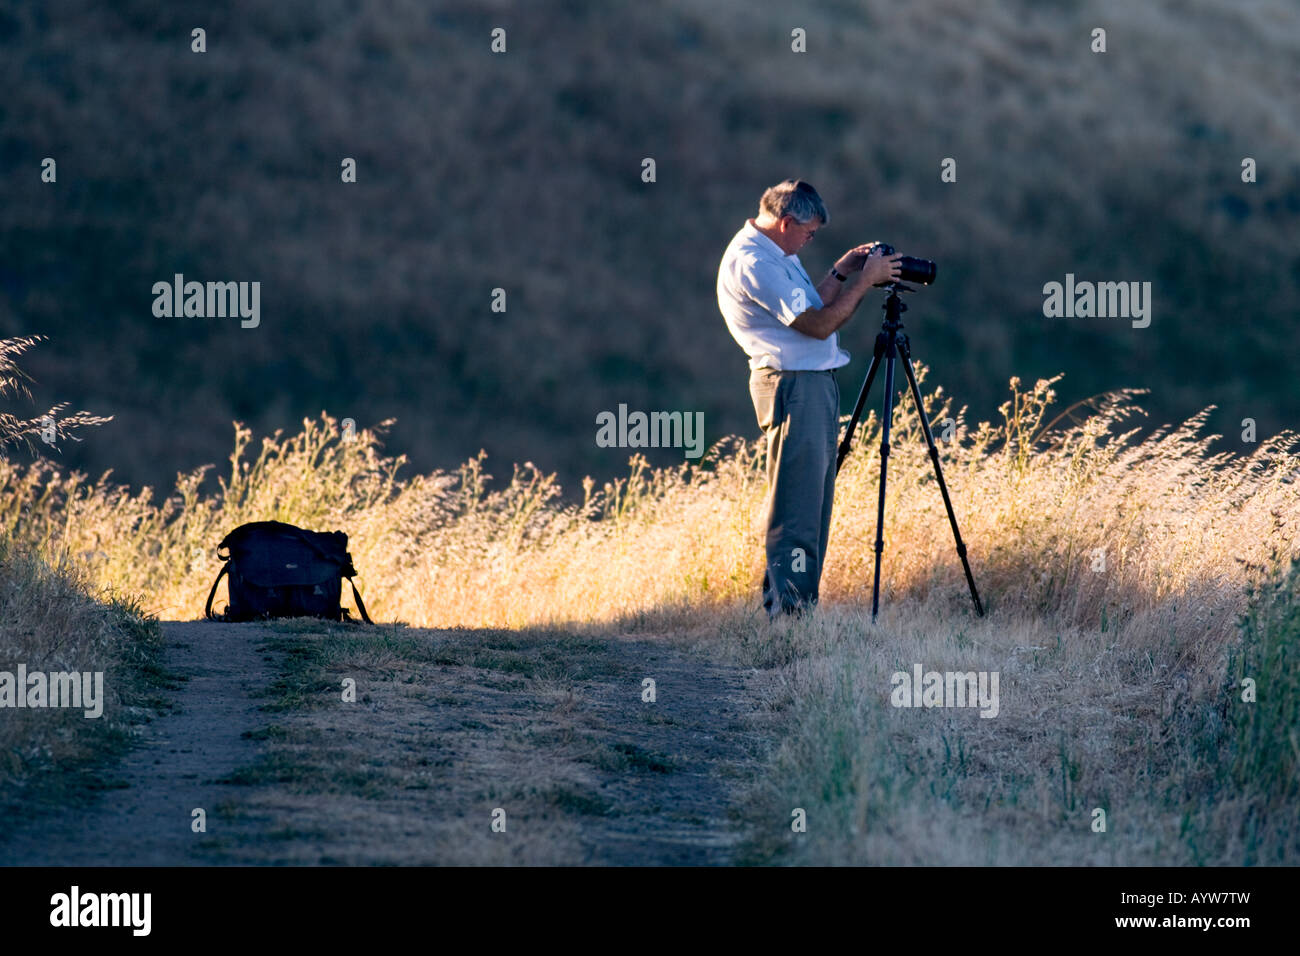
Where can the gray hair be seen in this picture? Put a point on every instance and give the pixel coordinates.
(795, 198)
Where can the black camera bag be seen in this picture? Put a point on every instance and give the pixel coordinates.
(279, 570)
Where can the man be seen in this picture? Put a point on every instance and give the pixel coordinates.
(788, 326)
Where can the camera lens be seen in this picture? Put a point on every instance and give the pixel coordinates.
(911, 269)
(920, 271)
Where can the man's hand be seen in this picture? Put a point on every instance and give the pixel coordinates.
(877, 269)
(855, 258)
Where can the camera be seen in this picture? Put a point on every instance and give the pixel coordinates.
(912, 269)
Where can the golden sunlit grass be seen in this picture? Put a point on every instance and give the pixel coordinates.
(1076, 521)
(1116, 574)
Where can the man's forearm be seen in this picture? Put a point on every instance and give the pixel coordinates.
(829, 288)
(822, 323)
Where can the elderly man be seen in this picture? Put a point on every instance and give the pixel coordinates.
(788, 326)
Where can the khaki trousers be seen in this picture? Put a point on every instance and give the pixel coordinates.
(799, 413)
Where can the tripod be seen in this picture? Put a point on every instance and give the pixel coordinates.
(891, 342)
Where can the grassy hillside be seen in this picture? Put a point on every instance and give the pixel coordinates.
(522, 171)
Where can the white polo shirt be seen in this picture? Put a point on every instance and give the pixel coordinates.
(761, 291)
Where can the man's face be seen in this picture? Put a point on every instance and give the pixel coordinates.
(794, 235)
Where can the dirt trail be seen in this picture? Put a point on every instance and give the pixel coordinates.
(675, 814)
(147, 822)
(409, 774)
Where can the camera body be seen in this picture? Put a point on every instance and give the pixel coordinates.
(912, 269)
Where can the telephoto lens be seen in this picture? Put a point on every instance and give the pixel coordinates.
(920, 271)
(911, 269)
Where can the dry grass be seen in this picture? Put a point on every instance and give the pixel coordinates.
(53, 424)
(1115, 676)
(1118, 720)
(1039, 509)
(50, 621)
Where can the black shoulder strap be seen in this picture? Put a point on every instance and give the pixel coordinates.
(360, 604)
(207, 610)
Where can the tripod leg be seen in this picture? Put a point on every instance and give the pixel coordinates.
(905, 349)
(847, 442)
(884, 468)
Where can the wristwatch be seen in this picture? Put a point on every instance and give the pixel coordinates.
(836, 274)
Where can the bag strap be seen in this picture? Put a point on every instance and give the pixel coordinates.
(207, 610)
(360, 604)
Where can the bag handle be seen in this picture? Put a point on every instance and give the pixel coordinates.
(207, 610)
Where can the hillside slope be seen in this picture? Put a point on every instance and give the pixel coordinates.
(521, 171)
